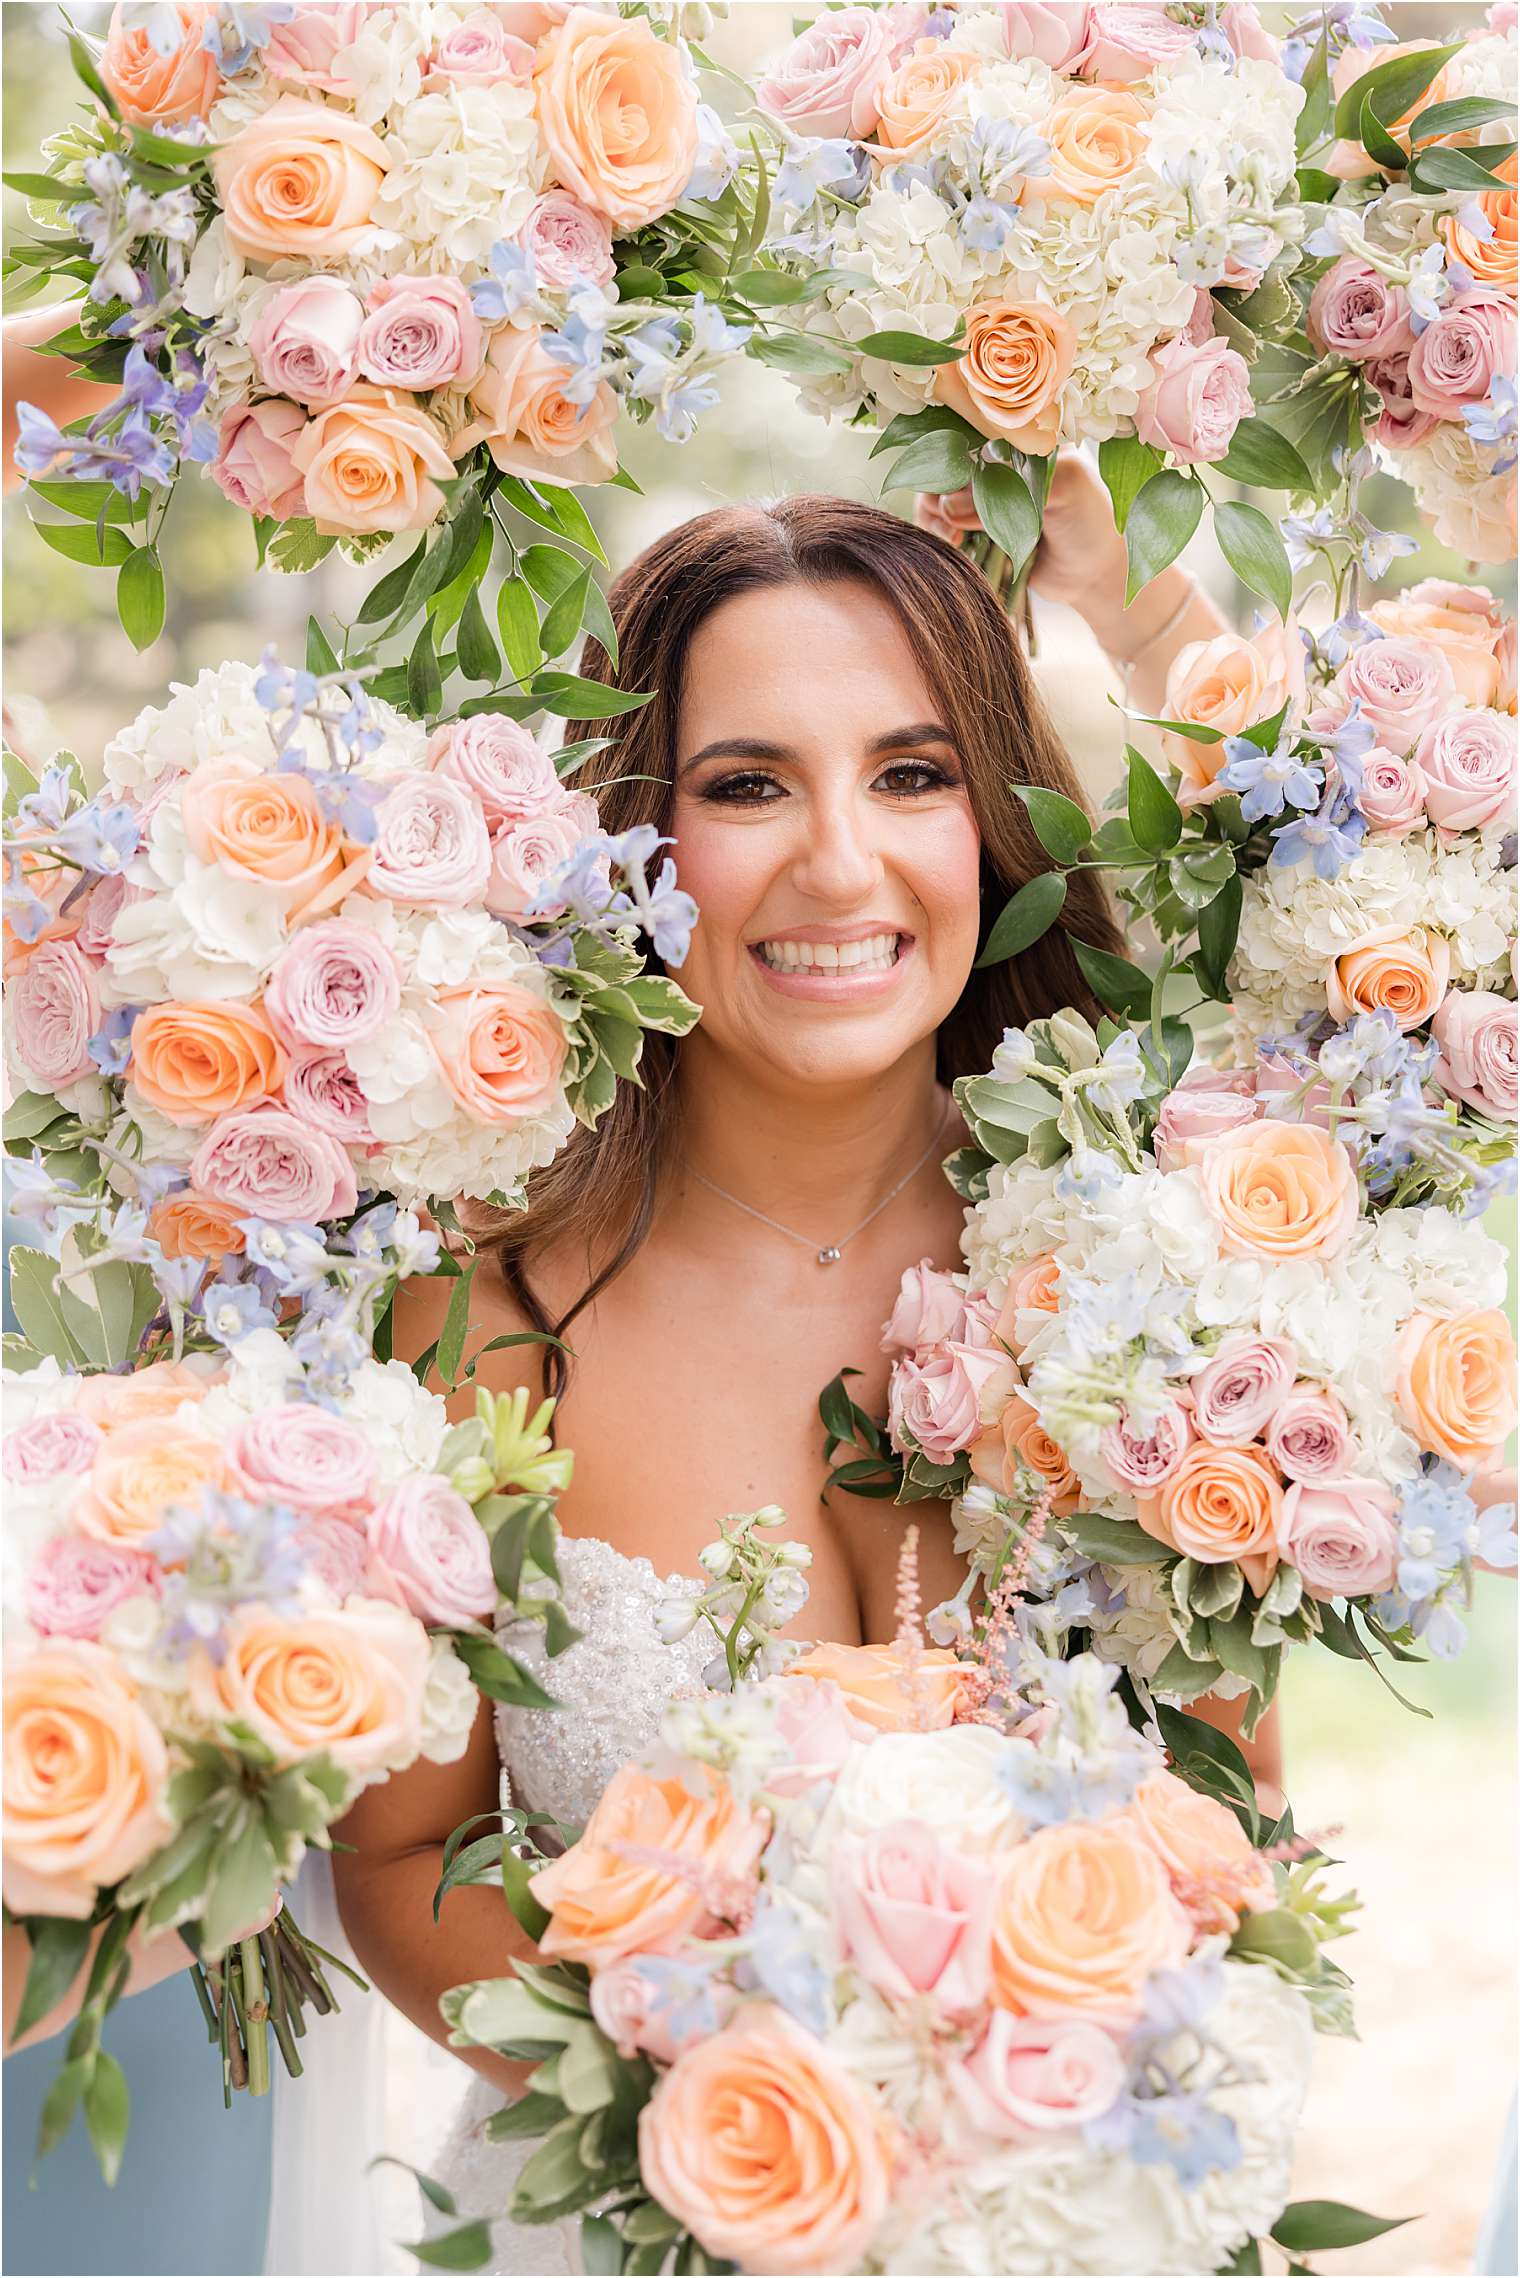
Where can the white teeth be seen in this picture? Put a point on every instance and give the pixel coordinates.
(876, 954)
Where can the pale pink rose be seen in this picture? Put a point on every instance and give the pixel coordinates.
(1246, 33)
(1392, 796)
(479, 52)
(500, 1048)
(640, 2014)
(431, 846)
(817, 1733)
(54, 1007)
(501, 762)
(937, 1395)
(1505, 658)
(570, 245)
(927, 1311)
(1144, 1458)
(1030, 2074)
(1309, 1438)
(524, 856)
(336, 1553)
(1479, 1036)
(253, 464)
(266, 1163)
(1501, 18)
(948, 514)
(75, 1582)
(1052, 32)
(530, 19)
(1465, 346)
(1205, 1103)
(914, 1916)
(1466, 622)
(1126, 39)
(321, 1089)
(333, 984)
(1341, 1535)
(299, 1454)
(1402, 687)
(305, 340)
(1279, 1082)
(1468, 762)
(528, 423)
(1197, 398)
(305, 49)
(1355, 312)
(1400, 423)
(49, 1447)
(827, 81)
(98, 912)
(1241, 1388)
(431, 1540)
(420, 333)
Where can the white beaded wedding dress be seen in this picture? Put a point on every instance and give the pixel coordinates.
(612, 1687)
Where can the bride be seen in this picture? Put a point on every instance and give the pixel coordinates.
(839, 718)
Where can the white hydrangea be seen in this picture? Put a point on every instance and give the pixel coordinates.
(466, 166)
(1468, 504)
(449, 1703)
(1022, 1216)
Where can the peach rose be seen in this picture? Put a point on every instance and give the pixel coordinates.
(1220, 1503)
(144, 1469)
(1456, 1384)
(1489, 261)
(1227, 684)
(656, 1864)
(267, 827)
(191, 1225)
(1097, 139)
(766, 2150)
(618, 116)
(882, 1689)
(86, 1780)
(1465, 622)
(1214, 1870)
(299, 182)
(1083, 1914)
(501, 1049)
(371, 463)
(528, 423)
(346, 1684)
(1281, 1190)
(1018, 356)
(194, 1062)
(154, 90)
(914, 99)
(161, 1389)
(1019, 1441)
(1392, 969)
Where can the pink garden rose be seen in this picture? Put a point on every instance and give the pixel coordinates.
(635, 2009)
(501, 763)
(1355, 312)
(1052, 32)
(570, 244)
(827, 81)
(818, 1735)
(1342, 1536)
(1280, 1080)
(253, 463)
(914, 1916)
(1200, 391)
(321, 1089)
(98, 911)
(1030, 2074)
(299, 1454)
(431, 846)
(928, 1310)
(524, 856)
(49, 1447)
(1460, 353)
(1403, 688)
(937, 1396)
(305, 48)
(264, 1162)
(479, 52)
(1309, 1437)
(1246, 33)
(305, 340)
(1126, 39)
(1239, 1390)
(431, 1541)
(1143, 1458)
(1207, 1102)
(333, 984)
(1400, 423)
(54, 1007)
(76, 1582)
(1392, 796)
(420, 333)
(1479, 1036)
(1468, 762)
(337, 1554)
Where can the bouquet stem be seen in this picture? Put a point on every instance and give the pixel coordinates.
(255, 2015)
(260, 1986)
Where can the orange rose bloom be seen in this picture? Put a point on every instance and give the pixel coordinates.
(299, 183)
(1456, 1384)
(501, 1049)
(1489, 260)
(1083, 1914)
(191, 1225)
(154, 90)
(1220, 1503)
(1215, 1872)
(143, 1470)
(1097, 139)
(1007, 382)
(1018, 1441)
(196, 1062)
(617, 114)
(880, 1689)
(911, 103)
(528, 423)
(372, 463)
(1390, 970)
(270, 828)
(1280, 1190)
(1033, 1287)
(86, 1777)
(161, 1389)
(1227, 684)
(346, 1684)
(608, 1901)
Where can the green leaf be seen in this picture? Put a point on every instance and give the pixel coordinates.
(107, 2109)
(1025, 919)
(938, 461)
(1454, 170)
(456, 1323)
(140, 597)
(1155, 819)
(30, 1114)
(557, 509)
(1459, 117)
(516, 1880)
(1310, 2224)
(384, 597)
(86, 70)
(1060, 825)
(107, 1311)
(1391, 88)
(570, 698)
(1126, 465)
(320, 658)
(762, 288)
(60, 2104)
(1122, 987)
(601, 2248)
(34, 1298)
(908, 348)
(1245, 2262)
(1258, 455)
(1218, 930)
(531, 2115)
(1275, 1935)
(424, 681)
(58, 1948)
(1235, 1649)
(498, 1676)
(1007, 512)
(436, 2194)
(41, 186)
(562, 620)
(1379, 143)
(935, 418)
(91, 500)
(1116, 1541)
(468, 2248)
(800, 352)
(517, 623)
(78, 542)
(296, 547)
(1162, 518)
(244, 1879)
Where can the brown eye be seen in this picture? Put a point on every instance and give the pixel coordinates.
(905, 777)
(750, 788)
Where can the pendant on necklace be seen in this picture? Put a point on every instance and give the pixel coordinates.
(829, 1257)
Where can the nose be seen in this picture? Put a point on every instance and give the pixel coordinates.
(838, 863)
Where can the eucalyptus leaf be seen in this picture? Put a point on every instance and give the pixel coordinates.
(1026, 919)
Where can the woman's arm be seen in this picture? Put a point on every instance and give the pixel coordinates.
(46, 381)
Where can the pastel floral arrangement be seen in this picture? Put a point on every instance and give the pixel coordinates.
(1191, 1381)
(227, 1609)
(1045, 225)
(883, 1962)
(1409, 326)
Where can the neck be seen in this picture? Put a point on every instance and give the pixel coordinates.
(815, 1157)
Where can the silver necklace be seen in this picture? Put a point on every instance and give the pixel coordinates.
(831, 1252)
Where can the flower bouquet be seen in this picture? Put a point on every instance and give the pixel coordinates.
(298, 956)
(227, 1609)
(379, 268)
(1407, 337)
(1039, 226)
(886, 1963)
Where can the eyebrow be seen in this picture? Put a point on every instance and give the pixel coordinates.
(755, 747)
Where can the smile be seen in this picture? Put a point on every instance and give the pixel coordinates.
(877, 953)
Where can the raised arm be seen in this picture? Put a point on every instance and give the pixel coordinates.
(47, 381)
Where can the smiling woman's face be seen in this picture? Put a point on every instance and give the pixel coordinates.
(823, 826)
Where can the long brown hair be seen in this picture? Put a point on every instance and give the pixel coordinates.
(602, 1188)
